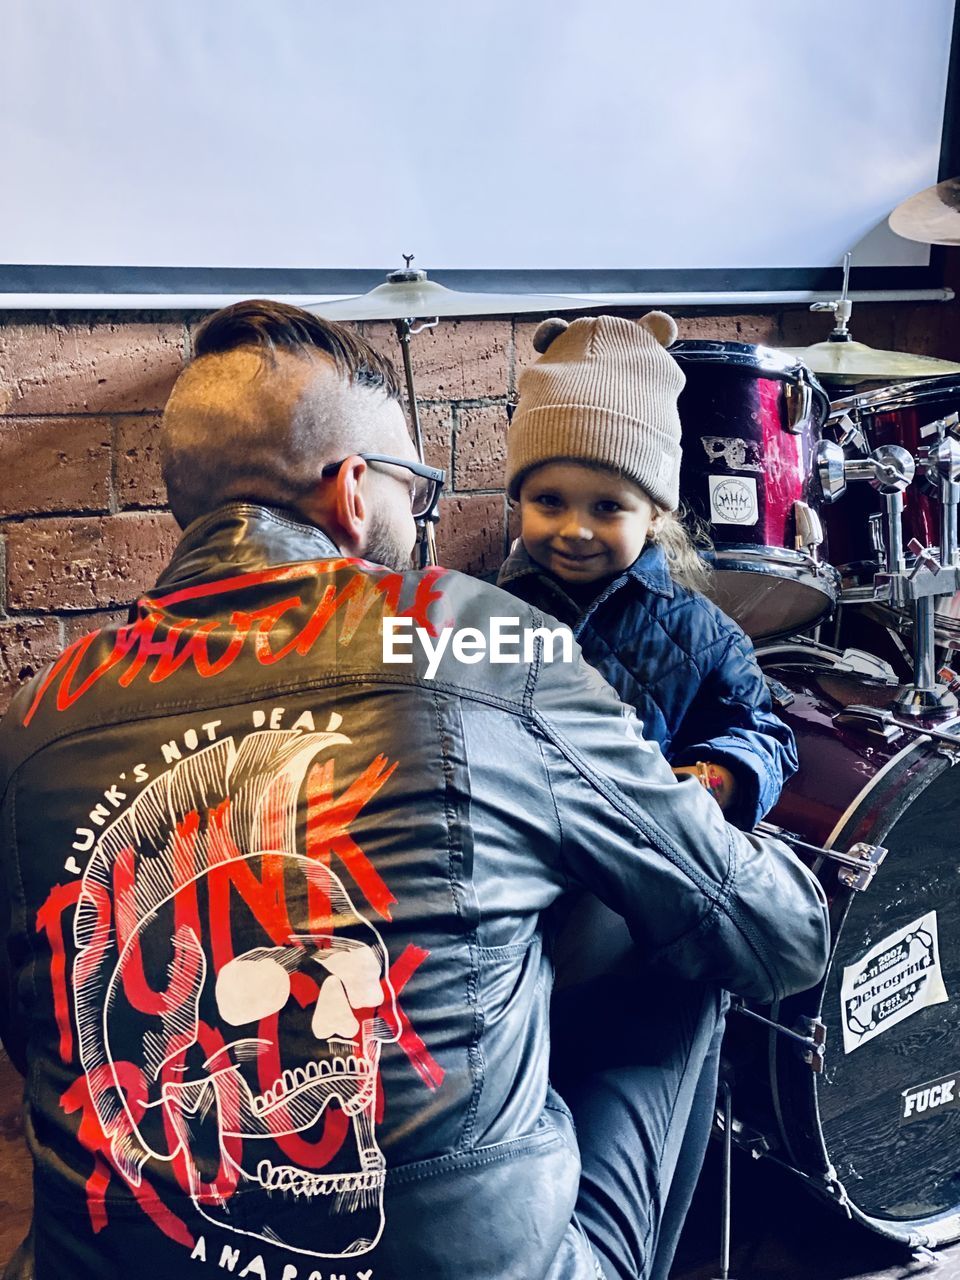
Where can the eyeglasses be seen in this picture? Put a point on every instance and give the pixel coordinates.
(426, 487)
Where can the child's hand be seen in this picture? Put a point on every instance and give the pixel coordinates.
(719, 781)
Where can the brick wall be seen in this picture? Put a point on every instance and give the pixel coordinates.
(83, 527)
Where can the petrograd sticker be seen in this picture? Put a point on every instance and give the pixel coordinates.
(733, 499)
(929, 1099)
(896, 978)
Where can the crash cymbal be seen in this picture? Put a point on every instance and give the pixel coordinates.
(856, 362)
(409, 295)
(932, 216)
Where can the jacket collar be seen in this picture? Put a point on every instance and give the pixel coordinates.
(649, 569)
(243, 537)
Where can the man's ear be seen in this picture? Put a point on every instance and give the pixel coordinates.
(349, 501)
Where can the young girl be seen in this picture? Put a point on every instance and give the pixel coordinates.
(593, 456)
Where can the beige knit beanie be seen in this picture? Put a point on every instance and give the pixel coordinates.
(604, 390)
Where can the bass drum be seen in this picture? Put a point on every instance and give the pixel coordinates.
(878, 1130)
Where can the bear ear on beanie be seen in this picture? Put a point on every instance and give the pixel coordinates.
(662, 326)
(546, 331)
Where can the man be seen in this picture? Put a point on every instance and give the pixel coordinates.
(277, 853)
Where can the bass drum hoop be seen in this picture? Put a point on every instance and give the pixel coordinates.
(789, 1078)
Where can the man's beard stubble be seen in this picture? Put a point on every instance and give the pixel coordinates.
(384, 545)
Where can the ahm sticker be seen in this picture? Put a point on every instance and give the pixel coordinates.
(897, 977)
(733, 499)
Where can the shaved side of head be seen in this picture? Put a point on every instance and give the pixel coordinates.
(272, 396)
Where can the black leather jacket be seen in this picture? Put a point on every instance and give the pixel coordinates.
(275, 935)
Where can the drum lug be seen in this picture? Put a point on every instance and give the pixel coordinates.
(799, 399)
(780, 694)
(815, 1033)
(809, 1035)
(869, 857)
(879, 721)
(858, 865)
(873, 720)
(809, 530)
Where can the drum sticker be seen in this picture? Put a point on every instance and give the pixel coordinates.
(929, 1099)
(896, 978)
(734, 452)
(733, 499)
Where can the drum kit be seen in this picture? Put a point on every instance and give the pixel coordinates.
(835, 541)
(847, 510)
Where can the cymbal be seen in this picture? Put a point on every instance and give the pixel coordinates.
(409, 295)
(856, 362)
(932, 216)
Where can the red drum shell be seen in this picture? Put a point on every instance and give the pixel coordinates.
(751, 420)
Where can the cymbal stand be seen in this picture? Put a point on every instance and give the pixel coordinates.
(942, 465)
(935, 572)
(841, 307)
(934, 575)
(406, 328)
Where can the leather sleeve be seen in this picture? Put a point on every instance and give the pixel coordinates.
(11, 1031)
(700, 897)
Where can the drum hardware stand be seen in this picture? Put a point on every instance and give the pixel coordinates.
(725, 1195)
(858, 865)
(890, 469)
(931, 576)
(848, 432)
(811, 1035)
(756, 1145)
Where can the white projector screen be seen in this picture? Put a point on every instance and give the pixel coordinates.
(554, 142)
